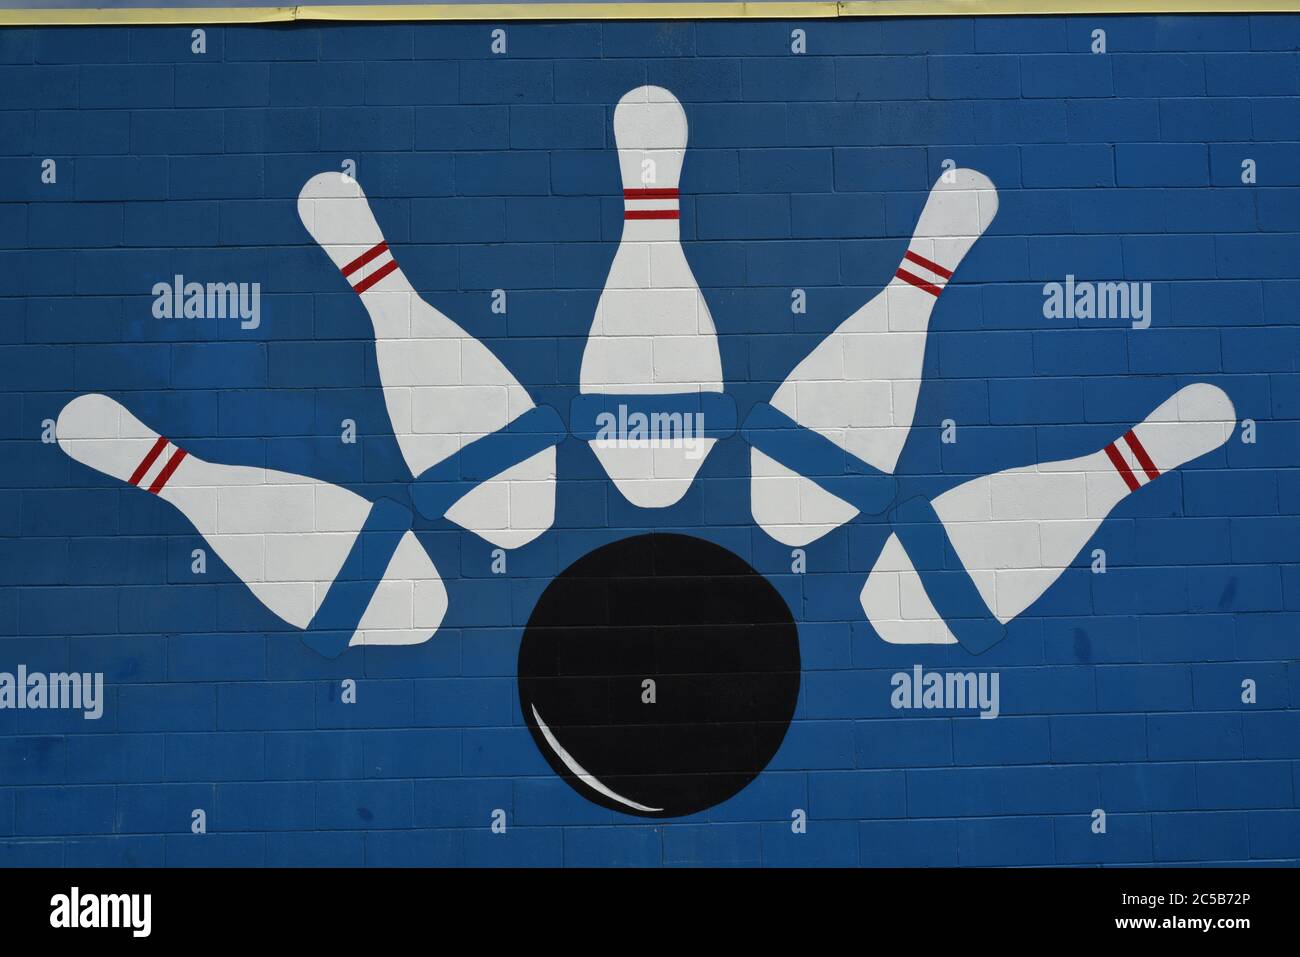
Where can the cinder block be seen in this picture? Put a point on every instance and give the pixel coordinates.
(1206, 836)
(415, 82)
(1106, 120)
(363, 805)
(789, 78)
(504, 81)
(907, 843)
(1071, 75)
(1255, 73)
(134, 86)
(1002, 842)
(671, 39)
(224, 84)
(1063, 166)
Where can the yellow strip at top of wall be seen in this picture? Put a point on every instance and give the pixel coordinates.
(723, 10)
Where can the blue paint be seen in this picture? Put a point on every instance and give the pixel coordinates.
(812, 455)
(335, 622)
(498, 172)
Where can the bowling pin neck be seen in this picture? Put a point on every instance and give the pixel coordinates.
(923, 272)
(388, 296)
(650, 214)
(373, 268)
(1130, 459)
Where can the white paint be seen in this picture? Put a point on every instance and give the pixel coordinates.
(859, 387)
(587, 778)
(1017, 530)
(443, 387)
(652, 333)
(285, 536)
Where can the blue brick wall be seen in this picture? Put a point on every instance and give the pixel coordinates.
(1120, 692)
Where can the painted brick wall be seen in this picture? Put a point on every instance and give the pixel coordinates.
(1120, 691)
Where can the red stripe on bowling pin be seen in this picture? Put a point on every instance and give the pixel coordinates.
(1140, 453)
(934, 283)
(929, 264)
(1126, 473)
(165, 473)
(651, 193)
(371, 254)
(172, 464)
(146, 463)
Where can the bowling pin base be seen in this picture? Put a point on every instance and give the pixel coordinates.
(606, 416)
(387, 592)
(437, 489)
(813, 456)
(954, 601)
(652, 445)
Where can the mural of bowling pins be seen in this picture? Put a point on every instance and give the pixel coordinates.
(858, 389)
(652, 341)
(1010, 535)
(295, 542)
(445, 390)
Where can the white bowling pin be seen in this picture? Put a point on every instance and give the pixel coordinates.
(652, 333)
(1017, 530)
(859, 387)
(285, 536)
(443, 388)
